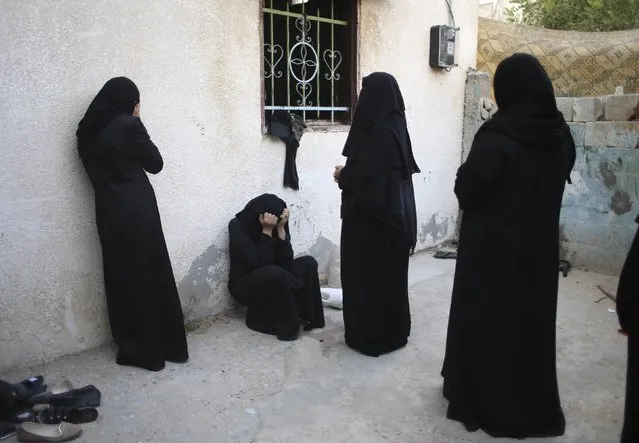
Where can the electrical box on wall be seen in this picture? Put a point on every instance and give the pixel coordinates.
(443, 45)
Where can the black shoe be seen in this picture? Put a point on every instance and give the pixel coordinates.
(28, 388)
(86, 397)
(57, 414)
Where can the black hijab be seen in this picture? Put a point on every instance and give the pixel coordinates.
(527, 106)
(249, 216)
(380, 109)
(117, 97)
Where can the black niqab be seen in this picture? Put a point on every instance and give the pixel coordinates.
(117, 97)
(379, 220)
(249, 216)
(527, 106)
(500, 364)
(380, 107)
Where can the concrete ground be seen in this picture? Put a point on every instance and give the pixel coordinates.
(245, 387)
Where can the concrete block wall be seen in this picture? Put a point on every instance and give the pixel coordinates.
(597, 220)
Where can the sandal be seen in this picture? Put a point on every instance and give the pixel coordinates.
(58, 414)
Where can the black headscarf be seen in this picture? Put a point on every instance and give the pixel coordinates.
(117, 97)
(527, 106)
(380, 108)
(249, 216)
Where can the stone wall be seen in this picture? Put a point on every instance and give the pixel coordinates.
(597, 219)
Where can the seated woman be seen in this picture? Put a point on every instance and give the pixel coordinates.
(279, 291)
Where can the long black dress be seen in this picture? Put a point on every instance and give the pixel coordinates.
(500, 365)
(628, 311)
(378, 220)
(279, 291)
(142, 299)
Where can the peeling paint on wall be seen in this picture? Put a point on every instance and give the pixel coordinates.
(203, 290)
(324, 251)
(620, 203)
(433, 231)
(608, 174)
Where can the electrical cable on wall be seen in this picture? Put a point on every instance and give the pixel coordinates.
(450, 11)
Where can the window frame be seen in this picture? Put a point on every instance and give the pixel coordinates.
(353, 58)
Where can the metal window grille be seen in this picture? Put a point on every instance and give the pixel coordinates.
(308, 58)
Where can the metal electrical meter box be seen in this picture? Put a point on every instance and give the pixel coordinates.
(443, 46)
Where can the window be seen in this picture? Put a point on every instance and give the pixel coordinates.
(309, 58)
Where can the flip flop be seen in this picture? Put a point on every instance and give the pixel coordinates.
(36, 432)
(58, 414)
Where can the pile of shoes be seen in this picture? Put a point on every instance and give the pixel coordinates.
(38, 414)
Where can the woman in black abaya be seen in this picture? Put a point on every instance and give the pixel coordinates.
(500, 366)
(628, 311)
(379, 227)
(142, 299)
(280, 292)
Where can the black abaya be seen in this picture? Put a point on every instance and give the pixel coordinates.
(500, 365)
(628, 311)
(277, 290)
(378, 220)
(142, 299)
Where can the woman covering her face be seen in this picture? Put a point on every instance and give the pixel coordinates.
(142, 299)
(280, 292)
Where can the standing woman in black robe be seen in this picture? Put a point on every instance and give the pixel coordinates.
(628, 312)
(379, 227)
(500, 366)
(280, 292)
(142, 299)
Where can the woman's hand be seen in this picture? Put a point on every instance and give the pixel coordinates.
(268, 222)
(281, 226)
(284, 218)
(336, 174)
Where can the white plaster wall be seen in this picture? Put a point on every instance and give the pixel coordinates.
(198, 66)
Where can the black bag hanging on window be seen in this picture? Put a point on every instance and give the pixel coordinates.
(289, 128)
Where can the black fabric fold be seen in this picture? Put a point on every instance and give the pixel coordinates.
(527, 106)
(378, 146)
(117, 97)
(289, 128)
